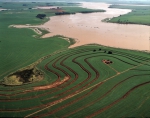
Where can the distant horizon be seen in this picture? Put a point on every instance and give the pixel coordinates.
(135, 2)
(74, 0)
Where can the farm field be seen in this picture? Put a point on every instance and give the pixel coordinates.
(139, 15)
(22, 47)
(78, 83)
(86, 81)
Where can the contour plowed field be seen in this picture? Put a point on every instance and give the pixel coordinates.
(78, 84)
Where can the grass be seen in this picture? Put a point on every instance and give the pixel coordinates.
(139, 15)
(92, 85)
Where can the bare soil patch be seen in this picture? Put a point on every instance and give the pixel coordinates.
(107, 61)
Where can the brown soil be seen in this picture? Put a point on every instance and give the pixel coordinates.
(107, 61)
(52, 85)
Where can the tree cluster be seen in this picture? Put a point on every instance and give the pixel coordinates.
(41, 16)
(63, 13)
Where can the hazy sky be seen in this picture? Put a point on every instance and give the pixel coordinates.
(74, 0)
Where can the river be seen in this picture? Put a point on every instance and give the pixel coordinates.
(89, 28)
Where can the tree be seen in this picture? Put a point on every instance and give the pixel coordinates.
(109, 52)
(41, 16)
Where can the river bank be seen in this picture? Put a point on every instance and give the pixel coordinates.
(89, 28)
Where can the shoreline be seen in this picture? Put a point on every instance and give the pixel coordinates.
(143, 51)
(55, 30)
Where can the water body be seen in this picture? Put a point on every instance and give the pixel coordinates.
(2, 9)
(89, 28)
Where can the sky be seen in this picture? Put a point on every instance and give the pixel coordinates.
(72, 0)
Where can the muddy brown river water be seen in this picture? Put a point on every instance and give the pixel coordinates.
(89, 28)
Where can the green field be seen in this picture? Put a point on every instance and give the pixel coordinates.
(20, 47)
(77, 83)
(92, 89)
(139, 15)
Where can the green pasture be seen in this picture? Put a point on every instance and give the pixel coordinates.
(138, 15)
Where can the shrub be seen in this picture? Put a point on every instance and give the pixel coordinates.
(109, 52)
(41, 16)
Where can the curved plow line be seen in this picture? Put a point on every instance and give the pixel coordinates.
(61, 56)
(61, 100)
(131, 55)
(133, 59)
(97, 75)
(76, 76)
(30, 108)
(96, 100)
(72, 102)
(118, 59)
(116, 101)
(43, 58)
(52, 85)
(27, 91)
(58, 81)
(30, 90)
(89, 76)
(72, 70)
(104, 95)
(26, 108)
(62, 69)
(68, 97)
(47, 68)
(39, 106)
